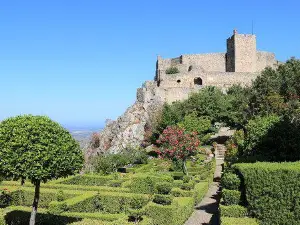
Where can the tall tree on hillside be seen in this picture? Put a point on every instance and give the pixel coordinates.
(38, 149)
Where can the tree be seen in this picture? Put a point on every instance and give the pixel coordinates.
(176, 144)
(38, 149)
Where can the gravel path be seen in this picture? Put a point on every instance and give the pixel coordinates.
(207, 211)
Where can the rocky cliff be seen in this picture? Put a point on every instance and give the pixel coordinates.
(129, 129)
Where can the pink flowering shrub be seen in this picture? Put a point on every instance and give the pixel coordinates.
(176, 144)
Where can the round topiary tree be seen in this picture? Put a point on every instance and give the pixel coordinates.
(38, 149)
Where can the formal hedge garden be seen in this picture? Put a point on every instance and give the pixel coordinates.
(138, 196)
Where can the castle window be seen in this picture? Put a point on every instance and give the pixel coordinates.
(190, 68)
(197, 81)
(178, 81)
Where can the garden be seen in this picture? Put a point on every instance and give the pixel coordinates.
(151, 193)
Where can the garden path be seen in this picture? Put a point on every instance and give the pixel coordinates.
(206, 213)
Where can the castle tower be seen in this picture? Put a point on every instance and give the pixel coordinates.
(241, 53)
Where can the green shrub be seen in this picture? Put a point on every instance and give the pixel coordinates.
(163, 187)
(107, 164)
(136, 215)
(146, 183)
(233, 211)
(5, 198)
(272, 191)
(177, 192)
(20, 215)
(186, 179)
(177, 183)
(87, 179)
(188, 186)
(23, 196)
(238, 221)
(200, 191)
(162, 199)
(115, 183)
(172, 70)
(176, 213)
(257, 130)
(60, 196)
(230, 181)
(231, 197)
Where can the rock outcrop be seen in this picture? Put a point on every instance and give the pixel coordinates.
(129, 129)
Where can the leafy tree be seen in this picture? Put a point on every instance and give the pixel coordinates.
(209, 101)
(257, 131)
(177, 145)
(238, 100)
(192, 123)
(38, 149)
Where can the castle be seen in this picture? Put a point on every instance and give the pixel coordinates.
(239, 65)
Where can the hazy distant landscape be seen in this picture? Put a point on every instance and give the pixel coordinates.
(82, 133)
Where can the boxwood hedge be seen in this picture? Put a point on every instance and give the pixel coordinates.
(272, 191)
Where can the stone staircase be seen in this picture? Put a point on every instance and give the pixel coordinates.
(220, 151)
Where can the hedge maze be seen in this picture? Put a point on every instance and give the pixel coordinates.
(143, 194)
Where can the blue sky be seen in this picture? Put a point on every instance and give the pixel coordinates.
(80, 62)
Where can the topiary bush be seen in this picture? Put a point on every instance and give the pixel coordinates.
(162, 199)
(231, 197)
(163, 188)
(230, 181)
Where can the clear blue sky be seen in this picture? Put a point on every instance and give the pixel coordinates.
(80, 62)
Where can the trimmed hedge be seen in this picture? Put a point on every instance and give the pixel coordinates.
(145, 183)
(230, 181)
(233, 211)
(24, 196)
(86, 179)
(200, 191)
(238, 221)
(110, 202)
(20, 216)
(176, 213)
(54, 185)
(272, 191)
(231, 197)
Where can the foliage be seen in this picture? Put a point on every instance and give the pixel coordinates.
(163, 187)
(176, 145)
(238, 221)
(146, 184)
(233, 211)
(176, 213)
(272, 191)
(188, 186)
(172, 70)
(60, 196)
(230, 181)
(162, 199)
(109, 163)
(5, 198)
(38, 149)
(192, 123)
(257, 130)
(231, 197)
